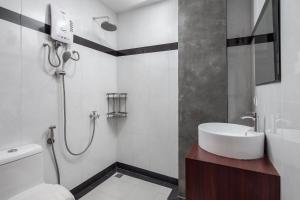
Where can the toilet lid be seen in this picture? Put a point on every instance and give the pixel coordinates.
(45, 192)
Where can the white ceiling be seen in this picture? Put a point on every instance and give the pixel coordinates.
(125, 5)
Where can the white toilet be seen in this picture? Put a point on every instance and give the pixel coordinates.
(21, 176)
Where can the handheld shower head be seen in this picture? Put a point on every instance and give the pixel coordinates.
(66, 56)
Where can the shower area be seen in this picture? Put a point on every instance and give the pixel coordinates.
(106, 98)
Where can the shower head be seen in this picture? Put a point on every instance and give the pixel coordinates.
(66, 56)
(106, 25)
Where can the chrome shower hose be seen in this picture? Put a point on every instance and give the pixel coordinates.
(65, 125)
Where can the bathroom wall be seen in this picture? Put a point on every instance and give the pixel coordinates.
(202, 71)
(257, 5)
(278, 104)
(148, 137)
(240, 84)
(30, 95)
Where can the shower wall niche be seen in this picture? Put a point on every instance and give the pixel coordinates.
(116, 105)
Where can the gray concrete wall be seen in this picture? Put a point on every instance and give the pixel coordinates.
(240, 83)
(202, 71)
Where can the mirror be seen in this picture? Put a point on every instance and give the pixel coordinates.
(266, 40)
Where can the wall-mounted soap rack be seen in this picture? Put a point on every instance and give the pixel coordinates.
(116, 105)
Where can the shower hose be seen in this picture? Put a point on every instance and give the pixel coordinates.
(56, 163)
(65, 135)
(65, 124)
(65, 112)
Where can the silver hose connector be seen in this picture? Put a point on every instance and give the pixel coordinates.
(59, 73)
(51, 139)
(94, 115)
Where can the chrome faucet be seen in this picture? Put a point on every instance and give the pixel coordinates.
(94, 115)
(253, 117)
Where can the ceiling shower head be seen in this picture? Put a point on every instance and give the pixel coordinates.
(106, 25)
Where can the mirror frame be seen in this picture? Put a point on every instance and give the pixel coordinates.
(276, 38)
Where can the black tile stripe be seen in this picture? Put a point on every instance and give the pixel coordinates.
(258, 39)
(10, 16)
(93, 182)
(239, 41)
(129, 170)
(36, 25)
(94, 45)
(265, 38)
(166, 179)
(148, 49)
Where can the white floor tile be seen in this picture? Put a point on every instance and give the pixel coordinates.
(117, 188)
(128, 188)
(97, 195)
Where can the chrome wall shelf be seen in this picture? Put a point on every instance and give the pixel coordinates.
(116, 105)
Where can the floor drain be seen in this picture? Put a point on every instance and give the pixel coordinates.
(118, 175)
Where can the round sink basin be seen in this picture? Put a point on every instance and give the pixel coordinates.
(231, 140)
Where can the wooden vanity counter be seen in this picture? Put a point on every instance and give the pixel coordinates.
(212, 177)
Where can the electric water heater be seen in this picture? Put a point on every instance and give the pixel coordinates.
(61, 26)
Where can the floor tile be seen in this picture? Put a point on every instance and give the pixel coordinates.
(97, 195)
(128, 188)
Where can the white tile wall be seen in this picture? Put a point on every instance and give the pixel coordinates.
(81, 12)
(14, 5)
(10, 82)
(279, 105)
(30, 97)
(148, 138)
(150, 25)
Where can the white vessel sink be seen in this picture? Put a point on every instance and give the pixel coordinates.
(231, 140)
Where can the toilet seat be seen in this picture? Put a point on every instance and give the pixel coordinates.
(45, 192)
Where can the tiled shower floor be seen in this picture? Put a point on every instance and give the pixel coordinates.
(127, 188)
